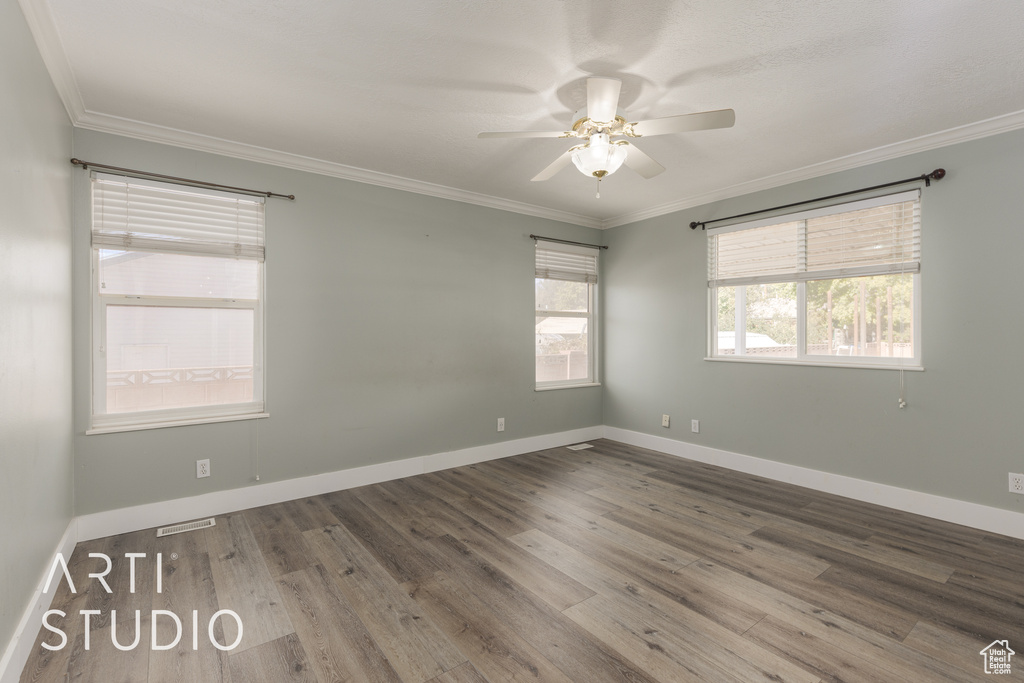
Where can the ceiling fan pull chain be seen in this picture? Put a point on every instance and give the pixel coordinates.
(598, 188)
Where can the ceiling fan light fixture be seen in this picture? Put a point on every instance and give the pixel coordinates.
(599, 157)
(598, 127)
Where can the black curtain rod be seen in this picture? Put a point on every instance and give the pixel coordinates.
(937, 174)
(578, 244)
(194, 183)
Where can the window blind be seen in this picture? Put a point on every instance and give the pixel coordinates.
(142, 215)
(870, 237)
(577, 264)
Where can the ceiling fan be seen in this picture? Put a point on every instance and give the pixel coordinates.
(598, 126)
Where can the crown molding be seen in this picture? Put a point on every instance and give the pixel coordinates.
(105, 123)
(171, 136)
(136, 129)
(179, 138)
(923, 143)
(51, 49)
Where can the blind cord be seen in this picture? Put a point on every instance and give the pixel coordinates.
(902, 403)
(257, 449)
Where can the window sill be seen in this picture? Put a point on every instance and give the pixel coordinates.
(567, 386)
(817, 363)
(113, 429)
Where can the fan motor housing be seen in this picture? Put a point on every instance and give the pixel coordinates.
(584, 126)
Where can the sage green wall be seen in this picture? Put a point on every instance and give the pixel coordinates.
(961, 432)
(35, 319)
(398, 325)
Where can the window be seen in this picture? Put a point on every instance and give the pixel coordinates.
(177, 304)
(565, 289)
(835, 285)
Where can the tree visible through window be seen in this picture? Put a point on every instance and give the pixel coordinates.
(837, 284)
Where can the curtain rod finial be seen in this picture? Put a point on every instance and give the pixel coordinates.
(937, 174)
(694, 224)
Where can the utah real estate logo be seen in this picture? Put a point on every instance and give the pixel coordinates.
(997, 657)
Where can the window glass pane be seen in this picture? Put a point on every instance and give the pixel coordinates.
(169, 357)
(767, 320)
(562, 349)
(866, 316)
(726, 323)
(561, 295)
(159, 274)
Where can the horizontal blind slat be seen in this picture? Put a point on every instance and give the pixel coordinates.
(554, 264)
(137, 243)
(165, 217)
(872, 238)
(833, 274)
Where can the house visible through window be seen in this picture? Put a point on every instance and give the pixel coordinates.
(836, 285)
(178, 320)
(565, 293)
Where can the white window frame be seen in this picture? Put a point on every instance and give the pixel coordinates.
(802, 357)
(592, 379)
(102, 422)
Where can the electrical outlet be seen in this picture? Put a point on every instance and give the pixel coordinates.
(695, 426)
(1016, 483)
(501, 424)
(202, 468)
(664, 420)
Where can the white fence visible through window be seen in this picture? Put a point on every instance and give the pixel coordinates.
(133, 390)
(566, 365)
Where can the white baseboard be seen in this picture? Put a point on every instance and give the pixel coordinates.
(124, 520)
(996, 520)
(20, 646)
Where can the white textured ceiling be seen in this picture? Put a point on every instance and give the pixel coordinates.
(395, 91)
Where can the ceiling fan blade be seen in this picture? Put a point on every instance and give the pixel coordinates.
(684, 123)
(638, 160)
(555, 166)
(525, 134)
(602, 98)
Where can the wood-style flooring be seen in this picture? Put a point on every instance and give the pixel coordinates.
(608, 564)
